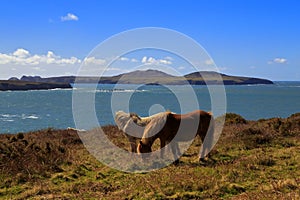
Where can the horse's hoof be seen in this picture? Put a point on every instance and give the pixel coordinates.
(176, 162)
(202, 159)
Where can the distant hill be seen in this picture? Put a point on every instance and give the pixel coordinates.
(197, 78)
(150, 73)
(154, 77)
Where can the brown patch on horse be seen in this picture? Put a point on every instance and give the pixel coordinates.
(179, 127)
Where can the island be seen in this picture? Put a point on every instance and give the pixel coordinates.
(155, 77)
(29, 85)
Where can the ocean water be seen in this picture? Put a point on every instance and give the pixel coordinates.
(22, 111)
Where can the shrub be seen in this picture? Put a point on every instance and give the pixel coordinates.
(267, 162)
(232, 118)
(20, 136)
(255, 137)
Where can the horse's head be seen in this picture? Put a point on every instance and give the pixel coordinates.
(135, 117)
(143, 148)
(125, 120)
(121, 119)
(130, 123)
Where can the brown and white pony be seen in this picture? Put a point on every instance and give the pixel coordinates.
(133, 125)
(180, 128)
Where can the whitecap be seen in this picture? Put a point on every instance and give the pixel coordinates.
(8, 120)
(62, 89)
(32, 117)
(7, 115)
(29, 116)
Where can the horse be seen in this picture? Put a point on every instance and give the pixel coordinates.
(181, 128)
(133, 126)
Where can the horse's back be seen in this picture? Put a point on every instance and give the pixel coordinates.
(186, 126)
(197, 114)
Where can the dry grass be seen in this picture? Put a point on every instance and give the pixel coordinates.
(252, 160)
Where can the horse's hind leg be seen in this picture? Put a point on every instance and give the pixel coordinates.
(175, 151)
(207, 143)
(178, 150)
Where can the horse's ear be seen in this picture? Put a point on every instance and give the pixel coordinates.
(169, 114)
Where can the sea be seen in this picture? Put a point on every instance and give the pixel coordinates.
(24, 111)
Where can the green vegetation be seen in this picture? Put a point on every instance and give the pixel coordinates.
(252, 160)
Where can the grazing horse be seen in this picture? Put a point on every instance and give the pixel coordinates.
(180, 128)
(133, 126)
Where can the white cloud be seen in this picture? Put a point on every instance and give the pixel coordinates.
(23, 62)
(94, 61)
(69, 17)
(168, 58)
(166, 62)
(152, 61)
(278, 61)
(23, 57)
(21, 53)
(124, 59)
(134, 60)
(4, 59)
(38, 69)
(144, 59)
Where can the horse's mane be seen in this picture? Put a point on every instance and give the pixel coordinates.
(121, 119)
(141, 121)
(131, 122)
(156, 124)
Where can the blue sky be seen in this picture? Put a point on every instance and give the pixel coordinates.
(249, 38)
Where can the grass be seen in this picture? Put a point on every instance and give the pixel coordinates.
(252, 160)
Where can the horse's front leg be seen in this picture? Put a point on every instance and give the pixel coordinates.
(132, 141)
(162, 148)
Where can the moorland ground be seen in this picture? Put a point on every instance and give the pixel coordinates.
(251, 160)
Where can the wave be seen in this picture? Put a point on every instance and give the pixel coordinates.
(24, 116)
(108, 90)
(13, 117)
(7, 115)
(63, 89)
(7, 120)
(119, 90)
